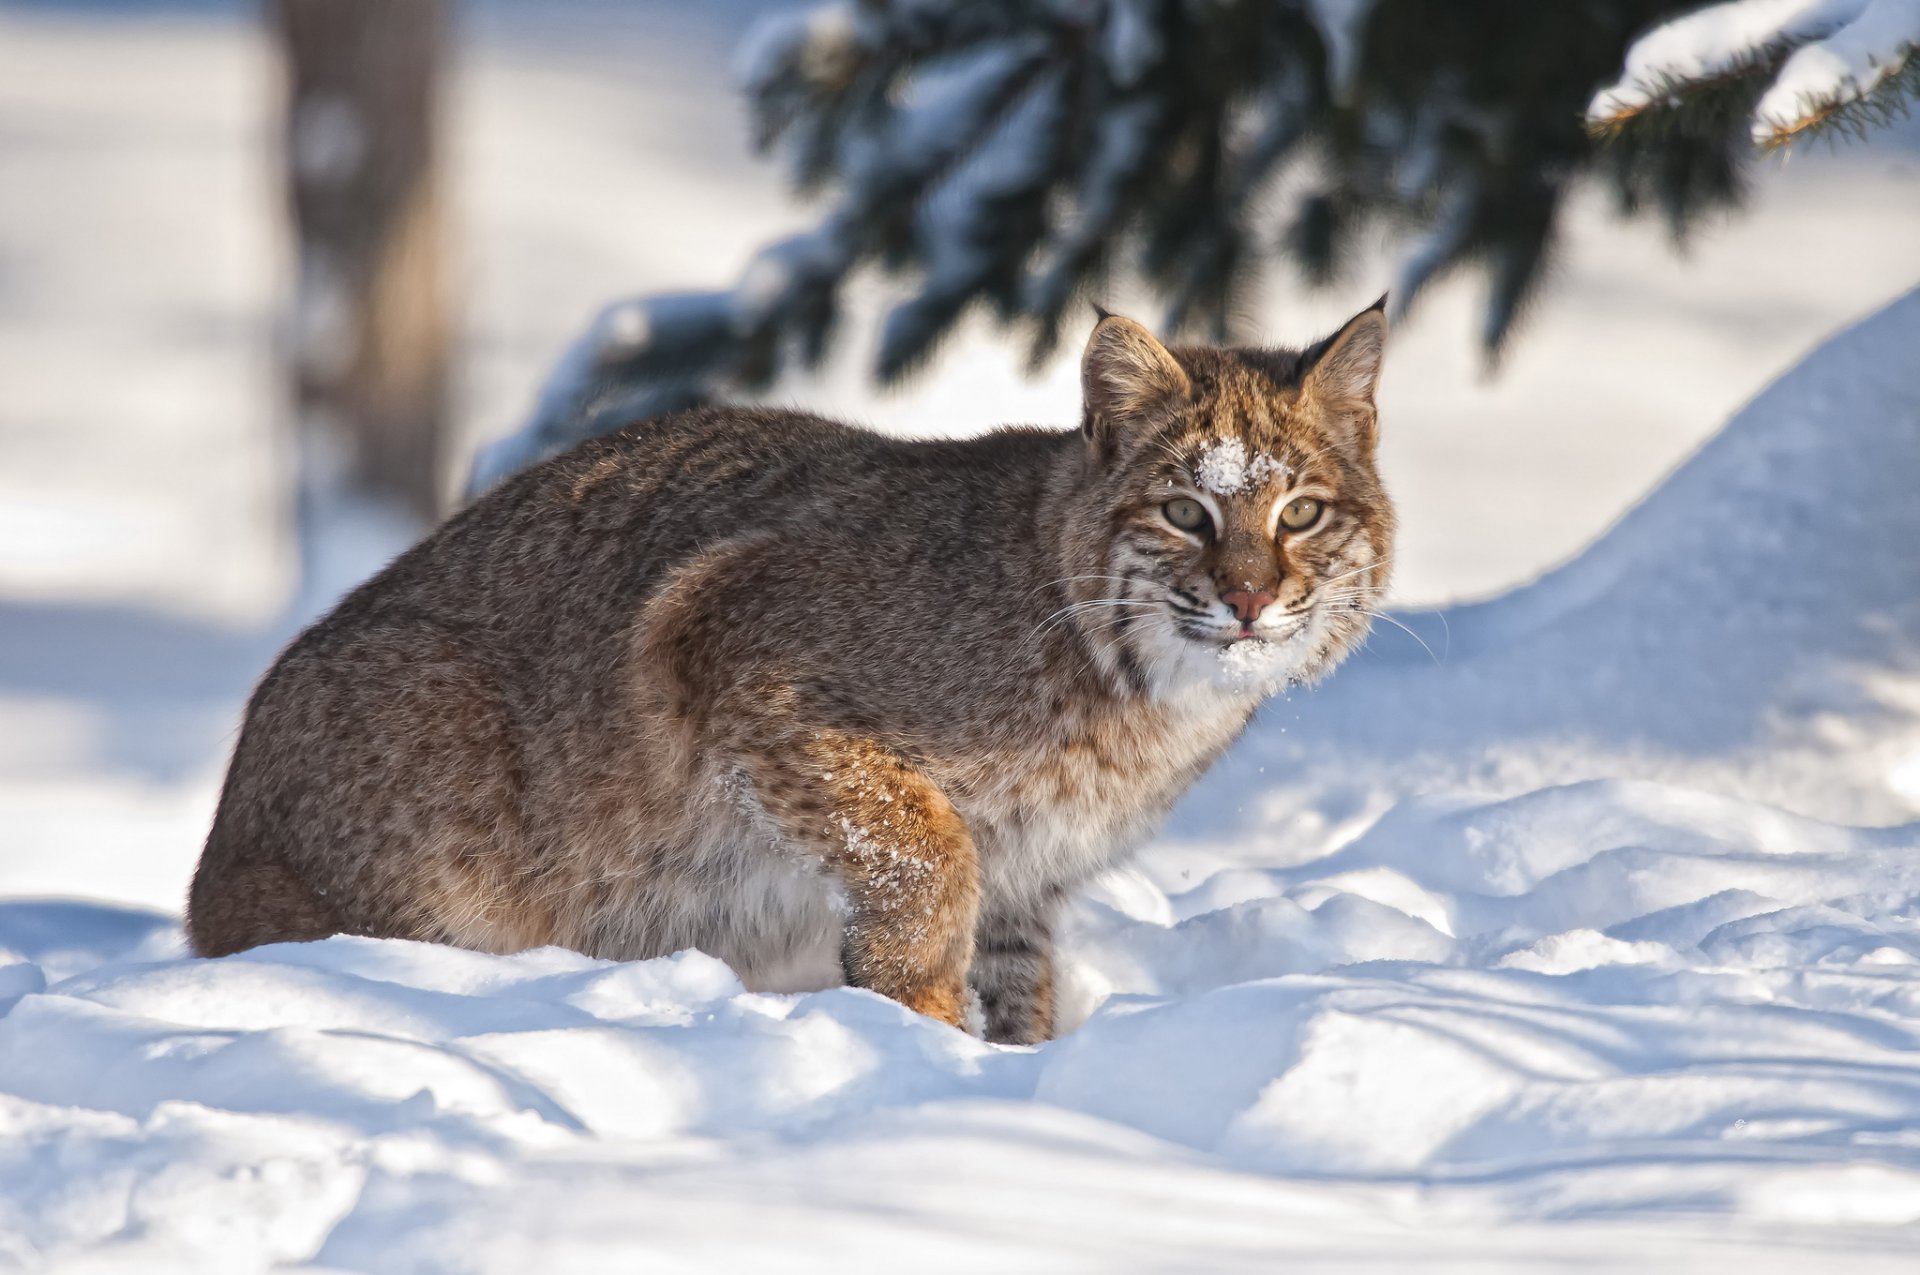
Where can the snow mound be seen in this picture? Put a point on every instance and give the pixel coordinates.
(1569, 942)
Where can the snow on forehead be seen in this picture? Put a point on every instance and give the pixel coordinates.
(1225, 469)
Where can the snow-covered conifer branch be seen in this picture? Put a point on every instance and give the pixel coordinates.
(1025, 155)
(1795, 68)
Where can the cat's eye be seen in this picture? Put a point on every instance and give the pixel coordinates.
(1301, 512)
(1188, 515)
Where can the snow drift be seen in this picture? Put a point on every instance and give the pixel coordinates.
(1569, 942)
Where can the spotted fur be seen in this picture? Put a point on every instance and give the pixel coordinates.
(820, 702)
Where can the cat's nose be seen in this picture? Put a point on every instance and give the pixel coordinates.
(1247, 604)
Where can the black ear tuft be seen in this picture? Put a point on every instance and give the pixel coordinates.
(1345, 368)
(1102, 313)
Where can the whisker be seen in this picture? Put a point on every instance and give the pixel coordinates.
(1098, 604)
(1098, 649)
(1091, 604)
(1378, 615)
(1446, 630)
(1073, 579)
(1095, 603)
(1356, 571)
(1095, 649)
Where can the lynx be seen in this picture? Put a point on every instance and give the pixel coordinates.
(828, 705)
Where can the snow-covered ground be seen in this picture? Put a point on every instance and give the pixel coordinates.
(1590, 939)
(1522, 1017)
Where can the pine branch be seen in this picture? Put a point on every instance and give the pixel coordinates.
(1020, 155)
(1838, 69)
(1850, 116)
(1692, 106)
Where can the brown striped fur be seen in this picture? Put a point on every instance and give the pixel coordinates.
(823, 703)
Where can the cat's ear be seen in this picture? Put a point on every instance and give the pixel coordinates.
(1342, 372)
(1125, 373)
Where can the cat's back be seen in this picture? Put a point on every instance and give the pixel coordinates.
(575, 544)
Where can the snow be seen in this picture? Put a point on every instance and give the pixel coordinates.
(1841, 50)
(1314, 1057)
(1712, 41)
(621, 328)
(1843, 67)
(1225, 469)
(1256, 664)
(1589, 941)
(811, 42)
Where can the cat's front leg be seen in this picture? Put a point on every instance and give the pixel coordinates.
(901, 853)
(899, 849)
(1013, 971)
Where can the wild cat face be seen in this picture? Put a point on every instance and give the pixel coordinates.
(1249, 538)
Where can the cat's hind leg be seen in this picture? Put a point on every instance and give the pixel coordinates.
(374, 790)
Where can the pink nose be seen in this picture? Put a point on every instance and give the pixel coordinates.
(1247, 604)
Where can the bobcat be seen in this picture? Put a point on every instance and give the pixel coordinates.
(825, 704)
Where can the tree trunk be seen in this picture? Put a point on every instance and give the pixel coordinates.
(367, 344)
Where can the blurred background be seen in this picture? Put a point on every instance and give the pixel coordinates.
(182, 369)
